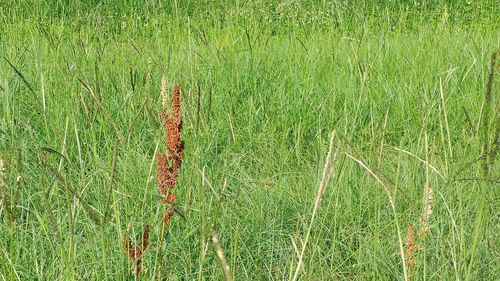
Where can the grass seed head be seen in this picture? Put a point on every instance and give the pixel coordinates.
(164, 92)
(426, 210)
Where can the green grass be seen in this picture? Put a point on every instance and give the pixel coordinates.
(263, 85)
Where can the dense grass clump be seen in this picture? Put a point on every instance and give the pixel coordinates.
(410, 88)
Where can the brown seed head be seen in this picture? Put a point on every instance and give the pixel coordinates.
(410, 246)
(168, 164)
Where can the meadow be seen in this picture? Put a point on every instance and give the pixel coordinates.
(324, 140)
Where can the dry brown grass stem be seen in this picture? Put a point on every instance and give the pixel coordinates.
(327, 172)
(297, 252)
(222, 258)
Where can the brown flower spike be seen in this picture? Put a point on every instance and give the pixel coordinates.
(168, 165)
(410, 249)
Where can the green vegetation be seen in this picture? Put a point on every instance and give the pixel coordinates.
(264, 83)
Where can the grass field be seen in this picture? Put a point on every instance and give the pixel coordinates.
(264, 83)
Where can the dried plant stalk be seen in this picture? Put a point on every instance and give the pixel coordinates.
(135, 253)
(327, 172)
(168, 164)
(222, 258)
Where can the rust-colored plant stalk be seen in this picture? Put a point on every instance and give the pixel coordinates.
(135, 253)
(168, 164)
